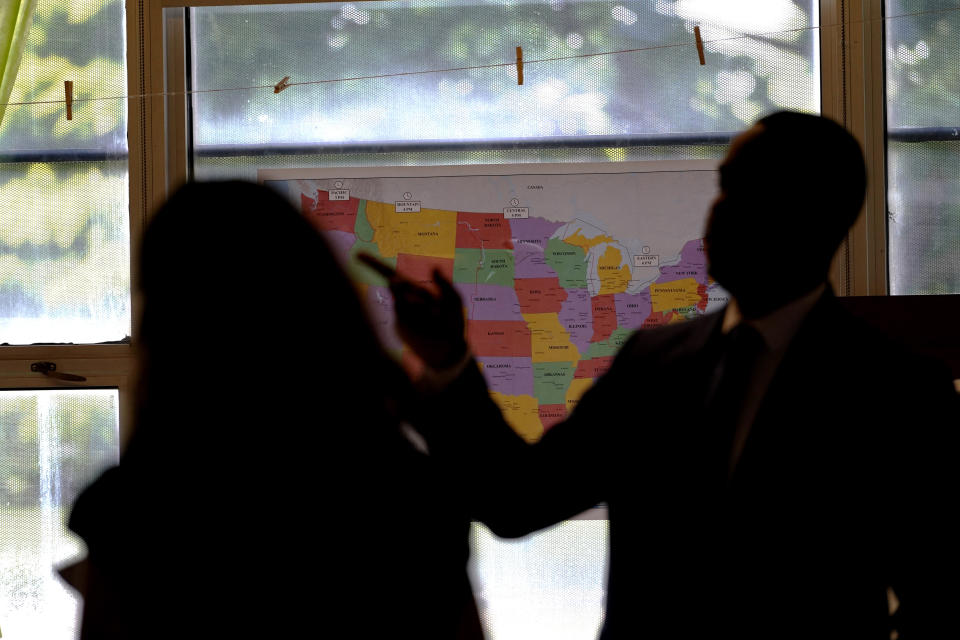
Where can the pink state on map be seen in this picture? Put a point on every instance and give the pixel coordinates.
(512, 376)
(632, 309)
(693, 264)
(329, 215)
(489, 302)
(576, 316)
(379, 304)
(530, 236)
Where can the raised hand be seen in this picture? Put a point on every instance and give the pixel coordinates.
(430, 323)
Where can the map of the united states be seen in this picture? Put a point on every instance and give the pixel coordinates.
(546, 301)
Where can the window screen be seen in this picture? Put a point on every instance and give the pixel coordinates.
(52, 444)
(546, 585)
(64, 239)
(923, 116)
(652, 101)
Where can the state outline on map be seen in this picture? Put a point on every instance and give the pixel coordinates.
(560, 286)
(627, 236)
(347, 176)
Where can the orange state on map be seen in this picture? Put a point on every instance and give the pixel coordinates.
(604, 317)
(522, 413)
(585, 243)
(502, 338)
(330, 215)
(429, 232)
(483, 231)
(676, 294)
(575, 391)
(540, 295)
(614, 275)
(550, 341)
(420, 268)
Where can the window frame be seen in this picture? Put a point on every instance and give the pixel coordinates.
(852, 73)
(104, 366)
(852, 77)
(852, 91)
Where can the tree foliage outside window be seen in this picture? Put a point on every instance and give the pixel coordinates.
(923, 96)
(601, 108)
(64, 257)
(657, 89)
(64, 277)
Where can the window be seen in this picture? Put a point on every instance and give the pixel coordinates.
(647, 103)
(73, 196)
(923, 120)
(64, 232)
(54, 443)
(64, 278)
(546, 585)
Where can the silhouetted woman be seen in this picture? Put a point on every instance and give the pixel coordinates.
(267, 490)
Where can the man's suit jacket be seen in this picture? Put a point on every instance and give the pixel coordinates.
(845, 487)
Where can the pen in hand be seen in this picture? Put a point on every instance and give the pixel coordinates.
(432, 324)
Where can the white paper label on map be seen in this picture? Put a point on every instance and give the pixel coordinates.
(516, 213)
(408, 206)
(646, 261)
(339, 194)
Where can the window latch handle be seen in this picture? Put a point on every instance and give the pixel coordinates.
(49, 369)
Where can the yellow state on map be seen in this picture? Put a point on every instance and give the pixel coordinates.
(582, 241)
(614, 275)
(576, 390)
(549, 340)
(429, 232)
(522, 413)
(674, 295)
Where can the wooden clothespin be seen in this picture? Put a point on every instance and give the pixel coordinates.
(519, 65)
(283, 84)
(696, 34)
(68, 97)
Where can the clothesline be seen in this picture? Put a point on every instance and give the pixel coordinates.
(511, 63)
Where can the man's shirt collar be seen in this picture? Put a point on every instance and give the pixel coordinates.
(779, 326)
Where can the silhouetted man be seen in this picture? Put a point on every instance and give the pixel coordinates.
(772, 470)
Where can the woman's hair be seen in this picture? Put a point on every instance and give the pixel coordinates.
(263, 434)
(248, 323)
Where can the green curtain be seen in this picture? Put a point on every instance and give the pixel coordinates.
(15, 18)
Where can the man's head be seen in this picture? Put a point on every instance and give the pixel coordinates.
(790, 188)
